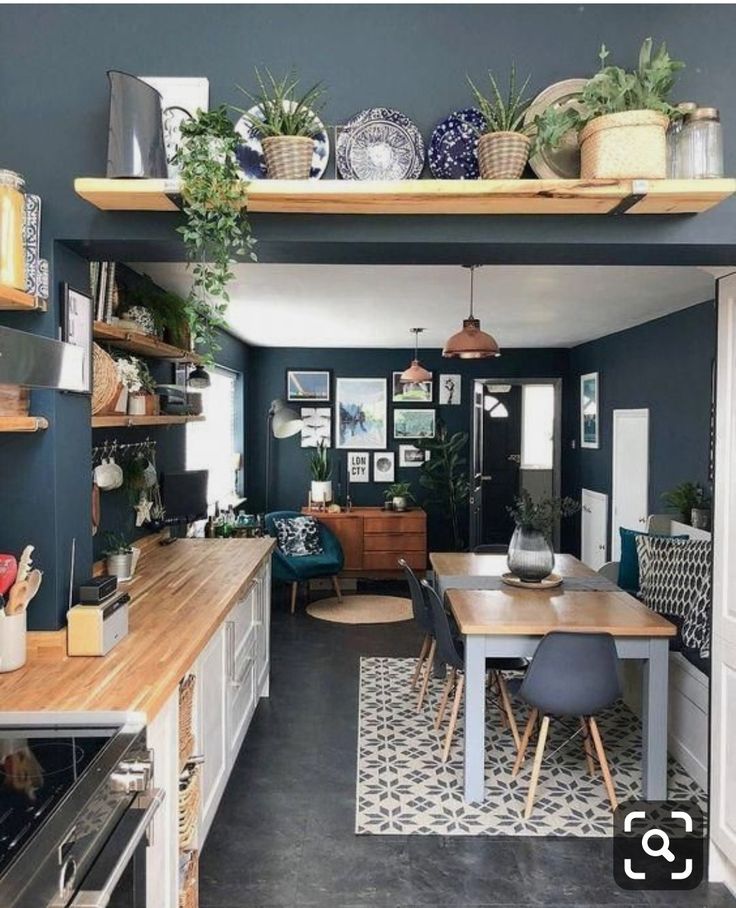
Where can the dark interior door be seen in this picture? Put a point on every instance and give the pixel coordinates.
(501, 440)
(476, 469)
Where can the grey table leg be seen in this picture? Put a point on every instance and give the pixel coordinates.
(475, 718)
(654, 721)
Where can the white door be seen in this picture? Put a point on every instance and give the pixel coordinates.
(594, 528)
(630, 481)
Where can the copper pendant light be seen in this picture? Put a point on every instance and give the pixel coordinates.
(416, 372)
(471, 342)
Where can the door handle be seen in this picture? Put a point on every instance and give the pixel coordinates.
(486, 478)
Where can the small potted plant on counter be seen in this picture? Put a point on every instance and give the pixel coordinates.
(692, 504)
(321, 470)
(286, 123)
(120, 556)
(400, 495)
(531, 557)
(143, 401)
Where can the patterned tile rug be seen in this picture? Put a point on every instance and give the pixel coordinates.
(403, 788)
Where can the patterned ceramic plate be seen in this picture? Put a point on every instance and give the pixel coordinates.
(453, 148)
(380, 144)
(562, 162)
(250, 153)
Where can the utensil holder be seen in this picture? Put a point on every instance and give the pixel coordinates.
(12, 641)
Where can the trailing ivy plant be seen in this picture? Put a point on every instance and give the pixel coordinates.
(216, 231)
(444, 476)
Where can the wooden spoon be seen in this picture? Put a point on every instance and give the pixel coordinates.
(17, 598)
(34, 582)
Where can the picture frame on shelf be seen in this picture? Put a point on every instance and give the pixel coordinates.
(411, 456)
(308, 386)
(317, 426)
(359, 466)
(361, 413)
(181, 97)
(384, 466)
(413, 424)
(77, 316)
(450, 389)
(411, 392)
(589, 410)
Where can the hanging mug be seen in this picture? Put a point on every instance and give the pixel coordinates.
(108, 475)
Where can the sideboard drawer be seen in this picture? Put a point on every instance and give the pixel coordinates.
(389, 561)
(404, 523)
(396, 542)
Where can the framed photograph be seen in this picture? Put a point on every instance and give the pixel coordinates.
(414, 423)
(361, 413)
(383, 466)
(589, 410)
(419, 392)
(76, 326)
(450, 389)
(308, 386)
(317, 426)
(359, 466)
(409, 456)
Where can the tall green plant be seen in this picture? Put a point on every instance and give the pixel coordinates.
(281, 110)
(444, 476)
(319, 463)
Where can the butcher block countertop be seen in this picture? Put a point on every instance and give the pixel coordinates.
(181, 593)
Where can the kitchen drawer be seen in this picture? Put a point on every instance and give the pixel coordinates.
(396, 542)
(241, 696)
(404, 523)
(243, 616)
(388, 561)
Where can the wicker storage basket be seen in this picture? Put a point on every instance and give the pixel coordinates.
(625, 146)
(189, 880)
(189, 798)
(288, 157)
(503, 155)
(186, 719)
(106, 385)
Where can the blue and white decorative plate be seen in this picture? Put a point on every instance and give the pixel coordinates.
(379, 144)
(250, 152)
(453, 148)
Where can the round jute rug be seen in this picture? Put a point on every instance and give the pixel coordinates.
(360, 609)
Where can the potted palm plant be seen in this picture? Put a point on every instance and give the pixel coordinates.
(286, 123)
(531, 557)
(692, 503)
(400, 495)
(321, 470)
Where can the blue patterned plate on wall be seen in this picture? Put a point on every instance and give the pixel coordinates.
(250, 152)
(453, 148)
(379, 144)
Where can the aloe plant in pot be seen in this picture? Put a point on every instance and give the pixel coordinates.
(321, 470)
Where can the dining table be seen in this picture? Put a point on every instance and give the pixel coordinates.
(499, 620)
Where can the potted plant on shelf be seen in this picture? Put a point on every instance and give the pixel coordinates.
(623, 118)
(531, 557)
(321, 470)
(444, 476)
(144, 401)
(119, 556)
(692, 504)
(286, 123)
(400, 495)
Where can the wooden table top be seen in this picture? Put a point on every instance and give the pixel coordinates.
(524, 612)
(466, 564)
(180, 595)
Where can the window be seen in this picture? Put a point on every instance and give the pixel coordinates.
(494, 408)
(538, 427)
(213, 444)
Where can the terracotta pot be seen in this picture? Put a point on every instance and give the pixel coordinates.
(503, 155)
(288, 157)
(630, 145)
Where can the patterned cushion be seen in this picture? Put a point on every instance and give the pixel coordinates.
(675, 577)
(298, 536)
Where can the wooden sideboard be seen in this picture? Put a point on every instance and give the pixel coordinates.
(373, 539)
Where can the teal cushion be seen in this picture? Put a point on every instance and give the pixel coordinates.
(628, 569)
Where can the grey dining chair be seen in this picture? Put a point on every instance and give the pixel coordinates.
(571, 674)
(423, 620)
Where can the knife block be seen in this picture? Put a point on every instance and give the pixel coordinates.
(12, 641)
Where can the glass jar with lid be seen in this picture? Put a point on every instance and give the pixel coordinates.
(12, 214)
(673, 137)
(700, 145)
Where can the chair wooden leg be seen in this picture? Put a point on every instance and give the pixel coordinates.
(537, 766)
(294, 591)
(336, 584)
(599, 749)
(446, 690)
(507, 710)
(587, 747)
(453, 718)
(420, 661)
(428, 669)
(524, 742)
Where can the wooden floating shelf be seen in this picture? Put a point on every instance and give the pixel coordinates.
(142, 344)
(123, 421)
(23, 423)
(431, 196)
(10, 298)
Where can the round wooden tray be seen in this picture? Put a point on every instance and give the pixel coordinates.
(548, 583)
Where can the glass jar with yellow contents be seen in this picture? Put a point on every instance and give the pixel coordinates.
(12, 213)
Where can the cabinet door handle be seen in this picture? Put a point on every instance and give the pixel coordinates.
(231, 650)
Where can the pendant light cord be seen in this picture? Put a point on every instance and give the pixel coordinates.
(472, 272)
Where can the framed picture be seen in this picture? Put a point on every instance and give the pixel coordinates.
(181, 97)
(359, 466)
(409, 456)
(450, 389)
(317, 426)
(76, 327)
(308, 385)
(360, 411)
(414, 423)
(383, 466)
(589, 410)
(419, 392)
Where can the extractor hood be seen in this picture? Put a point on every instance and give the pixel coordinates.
(35, 361)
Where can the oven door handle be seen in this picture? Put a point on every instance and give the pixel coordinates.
(99, 884)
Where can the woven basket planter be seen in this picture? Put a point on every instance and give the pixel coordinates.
(288, 157)
(625, 146)
(503, 155)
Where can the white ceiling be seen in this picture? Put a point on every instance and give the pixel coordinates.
(376, 305)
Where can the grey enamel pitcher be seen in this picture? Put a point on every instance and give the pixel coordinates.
(135, 143)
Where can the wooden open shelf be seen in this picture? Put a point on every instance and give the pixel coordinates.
(23, 423)
(10, 298)
(110, 422)
(142, 344)
(431, 196)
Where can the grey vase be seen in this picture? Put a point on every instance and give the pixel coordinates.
(530, 557)
(135, 142)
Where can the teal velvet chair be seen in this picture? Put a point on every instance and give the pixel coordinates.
(296, 570)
